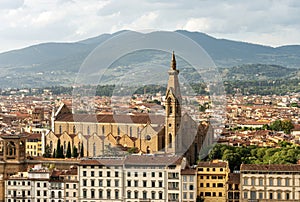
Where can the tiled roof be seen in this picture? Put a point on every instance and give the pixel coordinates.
(270, 167)
(212, 164)
(162, 160)
(111, 118)
(234, 178)
(188, 172)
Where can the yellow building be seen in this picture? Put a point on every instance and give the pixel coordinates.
(34, 145)
(212, 178)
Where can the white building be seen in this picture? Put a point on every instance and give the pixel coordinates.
(266, 183)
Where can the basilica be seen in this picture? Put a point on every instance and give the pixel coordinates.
(112, 134)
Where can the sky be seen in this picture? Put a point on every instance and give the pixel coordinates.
(28, 22)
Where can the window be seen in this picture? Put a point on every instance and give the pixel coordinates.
(92, 173)
(116, 183)
(287, 196)
(160, 184)
(108, 194)
(245, 195)
(153, 174)
(59, 194)
(92, 183)
(245, 181)
(221, 169)
(129, 194)
(160, 174)
(84, 182)
(220, 185)
(160, 195)
(270, 195)
(45, 193)
(260, 181)
(136, 183)
(136, 194)
(100, 193)
(207, 194)
(184, 186)
(220, 194)
(74, 130)
(84, 193)
(279, 195)
(260, 195)
(191, 178)
(144, 183)
(184, 195)
(116, 194)
(38, 193)
(108, 183)
(278, 181)
(201, 184)
(252, 181)
(116, 174)
(153, 195)
(100, 173)
(92, 193)
(128, 183)
(191, 187)
(135, 174)
(144, 194)
(170, 140)
(153, 183)
(100, 183)
(38, 184)
(84, 173)
(128, 174)
(108, 174)
(287, 182)
(88, 130)
(144, 174)
(271, 181)
(207, 184)
(214, 194)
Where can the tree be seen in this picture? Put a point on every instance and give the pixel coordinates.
(75, 152)
(58, 147)
(54, 154)
(69, 154)
(47, 153)
(81, 150)
(287, 126)
(61, 152)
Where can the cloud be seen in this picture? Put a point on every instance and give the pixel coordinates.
(258, 21)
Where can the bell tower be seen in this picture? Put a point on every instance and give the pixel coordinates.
(173, 109)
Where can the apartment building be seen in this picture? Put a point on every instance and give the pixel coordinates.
(134, 178)
(34, 144)
(265, 183)
(212, 179)
(233, 187)
(189, 185)
(40, 184)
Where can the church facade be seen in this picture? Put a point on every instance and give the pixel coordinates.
(96, 135)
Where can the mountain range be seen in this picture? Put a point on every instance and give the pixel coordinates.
(50, 64)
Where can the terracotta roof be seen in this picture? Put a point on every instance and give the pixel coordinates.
(212, 164)
(111, 118)
(34, 136)
(188, 172)
(102, 161)
(234, 178)
(271, 167)
(162, 160)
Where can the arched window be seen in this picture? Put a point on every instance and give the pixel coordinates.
(103, 130)
(116, 194)
(74, 130)
(128, 194)
(119, 131)
(130, 131)
(88, 130)
(51, 145)
(59, 194)
(52, 194)
(100, 193)
(94, 149)
(60, 129)
(170, 140)
(148, 150)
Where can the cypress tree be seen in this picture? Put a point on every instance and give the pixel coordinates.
(58, 147)
(69, 154)
(81, 150)
(54, 154)
(75, 152)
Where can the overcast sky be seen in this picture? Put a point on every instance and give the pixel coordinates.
(28, 22)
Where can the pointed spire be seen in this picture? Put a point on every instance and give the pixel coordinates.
(173, 62)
